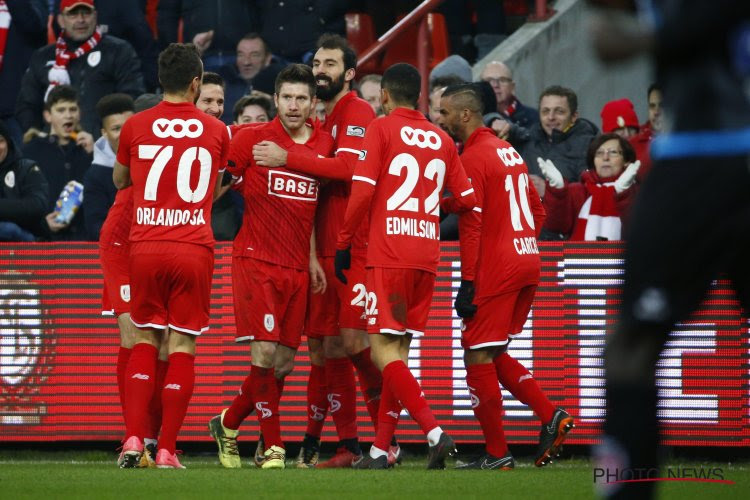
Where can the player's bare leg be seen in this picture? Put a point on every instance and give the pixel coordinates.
(391, 354)
(487, 403)
(317, 405)
(342, 402)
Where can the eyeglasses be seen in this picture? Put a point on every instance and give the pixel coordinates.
(612, 153)
(497, 81)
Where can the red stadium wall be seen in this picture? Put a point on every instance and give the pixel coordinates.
(57, 354)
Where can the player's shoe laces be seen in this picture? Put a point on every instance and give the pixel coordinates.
(260, 451)
(490, 462)
(394, 455)
(443, 449)
(367, 462)
(166, 460)
(147, 459)
(226, 439)
(551, 437)
(274, 458)
(132, 450)
(309, 454)
(342, 459)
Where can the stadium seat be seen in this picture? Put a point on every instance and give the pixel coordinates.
(404, 47)
(360, 32)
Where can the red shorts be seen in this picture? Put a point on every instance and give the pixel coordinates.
(171, 285)
(269, 301)
(341, 306)
(116, 292)
(498, 318)
(398, 300)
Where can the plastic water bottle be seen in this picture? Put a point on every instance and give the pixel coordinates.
(68, 202)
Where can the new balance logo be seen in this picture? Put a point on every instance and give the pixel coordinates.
(263, 411)
(333, 404)
(393, 414)
(525, 377)
(317, 413)
(174, 387)
(141, 376)
(474, 398)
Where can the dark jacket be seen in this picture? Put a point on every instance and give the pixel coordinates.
(567, 150)
(24, 194)
(115, 69)
(98, 189)
(524, 116)
(292, 27)
(61, 164)
(230, 20)
(236, 86)
(126, 19)
(28, 32)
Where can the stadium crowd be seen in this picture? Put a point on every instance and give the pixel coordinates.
(80, 110)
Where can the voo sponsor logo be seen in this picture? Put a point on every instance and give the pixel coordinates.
(509, 156)
(420, 138)
(177, 128)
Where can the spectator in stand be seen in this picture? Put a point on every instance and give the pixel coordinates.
(369, 88)
(475, 28)
(292, 27)
(99, 190)
(213, 26)
(63, 155)
(437, 87)
(23, 29)
(252, 109)
(560, 135)
(255, 69)
(618, 117)
(95, 63)
(595, 208)
(126, 19)
(499, 75)
(211, 98)
(452, 66)
(642, 141)
(24, 195)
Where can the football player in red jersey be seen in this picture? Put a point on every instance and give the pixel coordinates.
(500, 268)
(171, 154)
(336, 328)
(405, 164)
(272, 263)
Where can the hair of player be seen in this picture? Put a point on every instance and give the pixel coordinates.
(114, 104)
(465, 96)
(296, 73)
(256, 36)
(560, 91)
(331, 41)
(60, 93)
(403, 83)
(211, 78)
(628, 153)
(179, 64)
(250, 100)
(445, 81)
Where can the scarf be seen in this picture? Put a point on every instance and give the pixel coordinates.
(599, 217)
(4, 28)
(58, 74)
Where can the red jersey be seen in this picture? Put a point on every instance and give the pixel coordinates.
(407, 163)
(498, 237)
(115, 231)
(174, 152)
(279, 204)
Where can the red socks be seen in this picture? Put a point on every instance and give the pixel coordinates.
(370, 381)
(390, 411)
(266, 397)
(242, 406)
(405, 388)
(139, 387)
(175, 397)
(123, 355)
(487, 403)
(154, 407)
(342, 396)
(317, 400)
(519, 382)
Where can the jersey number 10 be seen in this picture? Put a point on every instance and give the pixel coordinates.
(162, 155)
(523, 197)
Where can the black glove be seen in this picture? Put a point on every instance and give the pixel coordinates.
(342, 261)
(464, 299)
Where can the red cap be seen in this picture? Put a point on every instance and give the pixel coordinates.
(66, 5)
(618, 114)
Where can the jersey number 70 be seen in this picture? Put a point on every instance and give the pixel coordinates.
(162, 155)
